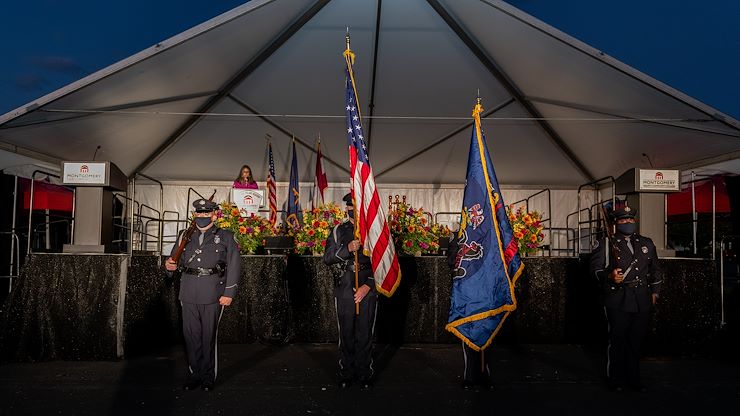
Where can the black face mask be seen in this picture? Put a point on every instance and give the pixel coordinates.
(202, 222)
(351, 214)
(628, 228)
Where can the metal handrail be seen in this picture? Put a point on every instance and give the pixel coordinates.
(722, 276)
(17, 263)
(30, 206)
(436, 221)
(597, 197)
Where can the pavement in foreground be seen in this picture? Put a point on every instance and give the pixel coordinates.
(299, 379)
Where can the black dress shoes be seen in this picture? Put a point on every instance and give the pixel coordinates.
(191, 385)
(345, 383)
(207, 386)
(366, 384)
(639, 387)
(615, 387)
(467, 385)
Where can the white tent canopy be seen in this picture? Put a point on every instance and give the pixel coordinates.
(197, 106)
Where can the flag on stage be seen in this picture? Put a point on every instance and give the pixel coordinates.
(487, 264)
(370, 219)
(271, 186)
(320, 183)
(294, 216)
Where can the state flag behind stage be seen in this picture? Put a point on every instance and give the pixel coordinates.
(320, 182)
(371, 222)
(487, 262)
(294, 216)
(271, 186)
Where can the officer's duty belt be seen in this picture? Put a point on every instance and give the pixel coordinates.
(200, 271)
(634, 283)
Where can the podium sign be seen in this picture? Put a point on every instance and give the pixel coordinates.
(248, 201)
(104, 174)
(664, 180)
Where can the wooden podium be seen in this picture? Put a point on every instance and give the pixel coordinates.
(93, 216)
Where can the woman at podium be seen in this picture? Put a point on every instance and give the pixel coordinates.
(245, 179)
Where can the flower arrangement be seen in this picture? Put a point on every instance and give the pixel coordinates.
(411, 231)
(317, 223)
(527, 228)
(250, 231)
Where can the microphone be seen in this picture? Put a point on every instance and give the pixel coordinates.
(96, 152)
(648, 158)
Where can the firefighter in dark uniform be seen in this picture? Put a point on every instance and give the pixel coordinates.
(355, 330)
(475, 373)
(210, 266)
(627, 270)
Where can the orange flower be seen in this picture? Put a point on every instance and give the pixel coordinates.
(242, 230)
(411, 228)
(533, 238)
(518, 235)
(324, 224)
(311, 232)
(423, 221)
(234, 212)
(315, 224)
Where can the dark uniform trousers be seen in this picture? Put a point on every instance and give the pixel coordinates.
(355, 330)
(475, 371)
(628, 304)
(201, 287)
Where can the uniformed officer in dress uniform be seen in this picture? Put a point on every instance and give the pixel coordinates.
(627, 271)
(355, 330)
(210, 266)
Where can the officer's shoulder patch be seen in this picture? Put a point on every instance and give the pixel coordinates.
(645, 249)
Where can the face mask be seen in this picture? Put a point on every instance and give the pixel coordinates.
(202, 222)
(351, 213)
(627, 228)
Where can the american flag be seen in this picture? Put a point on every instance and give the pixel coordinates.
(371, 221)
(271, 186)
(320, 183)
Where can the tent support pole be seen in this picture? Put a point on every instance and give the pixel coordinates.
(371, 104)
(283, 130)
(444, 138)
(97, 111)
(510, 87)
(235, 81)
(629, 117)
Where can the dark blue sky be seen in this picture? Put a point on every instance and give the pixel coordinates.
(694, 48)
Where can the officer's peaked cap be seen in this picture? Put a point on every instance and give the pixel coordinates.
(348, 199)
(204, 205)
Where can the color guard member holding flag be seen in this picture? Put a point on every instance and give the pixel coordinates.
(485, 262)
(355, 329)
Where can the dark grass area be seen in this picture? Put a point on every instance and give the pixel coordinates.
(298, 379)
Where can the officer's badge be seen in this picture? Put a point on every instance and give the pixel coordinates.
(217, 239)
(202, 203)
(644, 249)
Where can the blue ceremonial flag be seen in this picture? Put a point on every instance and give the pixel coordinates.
(487, 264)
(294, 216)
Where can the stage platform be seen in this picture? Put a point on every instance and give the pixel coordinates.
(100, 307)
(422, 379)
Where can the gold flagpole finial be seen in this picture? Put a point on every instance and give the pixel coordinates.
(478, 109)
(348, 54)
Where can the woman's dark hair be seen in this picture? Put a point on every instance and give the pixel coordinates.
(239, 177)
